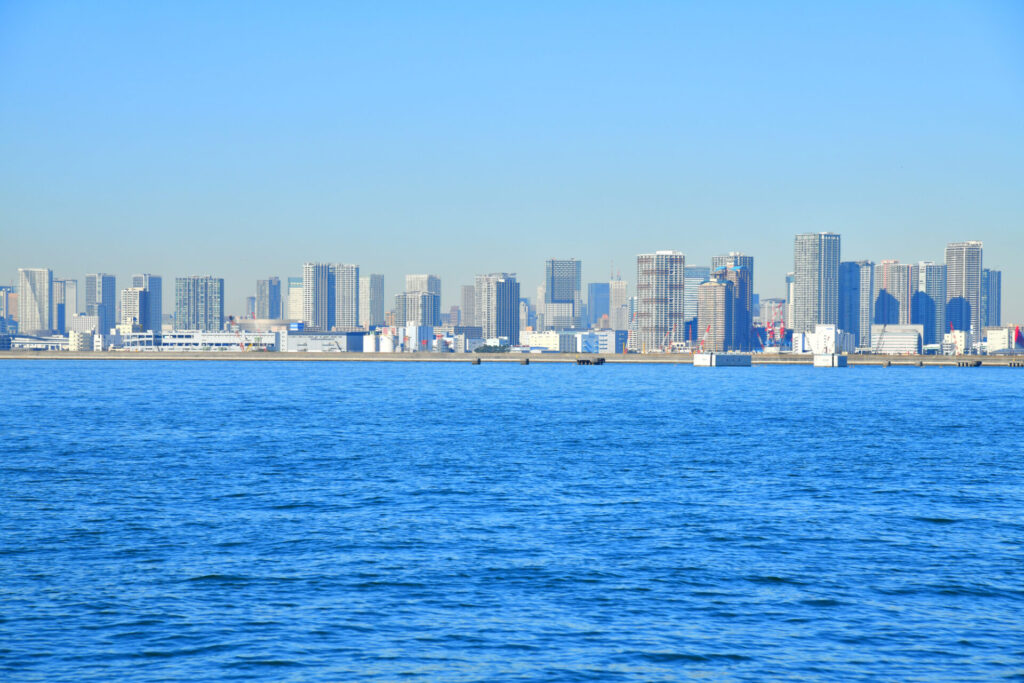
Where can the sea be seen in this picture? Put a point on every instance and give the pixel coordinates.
(376, 521)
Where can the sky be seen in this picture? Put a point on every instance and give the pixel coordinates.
(241, 139)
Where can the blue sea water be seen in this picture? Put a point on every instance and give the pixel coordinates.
(384, 521)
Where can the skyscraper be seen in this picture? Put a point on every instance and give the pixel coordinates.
(733, 269)
(293, 299)
(963, 285)
(417, 308)
(430, 284)
(856, 299)
(895, 284)
(598, 294)
(153, 284)
(618, 304)
(815, 280)
(928, 307)
(694, 278)
(468, 307)
(134, 306)
(330, 296)
(199, 303)
(35, 301)
(991, 297)
(65, 304)
(718, 305)
(660, 286)
(371, 300)
(497, 305)
(563, 300)
(101, 300)
(268, 298)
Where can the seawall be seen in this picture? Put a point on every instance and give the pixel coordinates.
(669, 359)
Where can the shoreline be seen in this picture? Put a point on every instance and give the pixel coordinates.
(429, 357)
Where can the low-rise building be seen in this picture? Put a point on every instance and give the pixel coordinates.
(896, 339)
(292, 341)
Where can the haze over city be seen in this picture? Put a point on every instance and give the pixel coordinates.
(243, 140)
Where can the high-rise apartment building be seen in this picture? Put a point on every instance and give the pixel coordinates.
(991, 297)
(199, 303)
(660, 288)
(563, 299)
(293, 299)
(134, 306)
(598, 294)
(963, 285)
(694, 278)
(468, 307)
(895, 284)
(268, 299)
(618, 304)
(35, 301)
(416, 308)
(928, 307)
(856, 299)
(738, 269)
(101, 300)
(497, 305)
(718, 306)
(65, 304)
(330, 296)
(371, 300)
(815, 281)
(153, 284)
(429, 284)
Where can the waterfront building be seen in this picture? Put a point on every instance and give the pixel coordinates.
(418, 308)
(660, 286)
(963, 285)
(743, 321)
(618, 305)
(199, 303)
(896, 339)
(790, 289)
(991, 297)
(815, 281)
(330, 296)
(717, 306)
(856, 300)
(468, 308)
(694, 277)
(84, 323)
(371, 300)
(65, 303)
(134, 307)
(497, 305)
(101, 299)
(293, 299)
(895, 284)
(431, 286)
(601, 341)
(928, 307)
(598, 300)
(733, 269)
(268, 299)
(35, 301)
(563, 299)
(153, 284)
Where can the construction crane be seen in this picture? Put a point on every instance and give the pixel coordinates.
(704, 338)
(667, 341)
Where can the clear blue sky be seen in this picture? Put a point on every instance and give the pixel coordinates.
(241, 139)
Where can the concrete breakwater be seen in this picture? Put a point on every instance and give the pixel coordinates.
(534, 358)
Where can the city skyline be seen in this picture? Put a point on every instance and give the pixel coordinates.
(705, 129)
